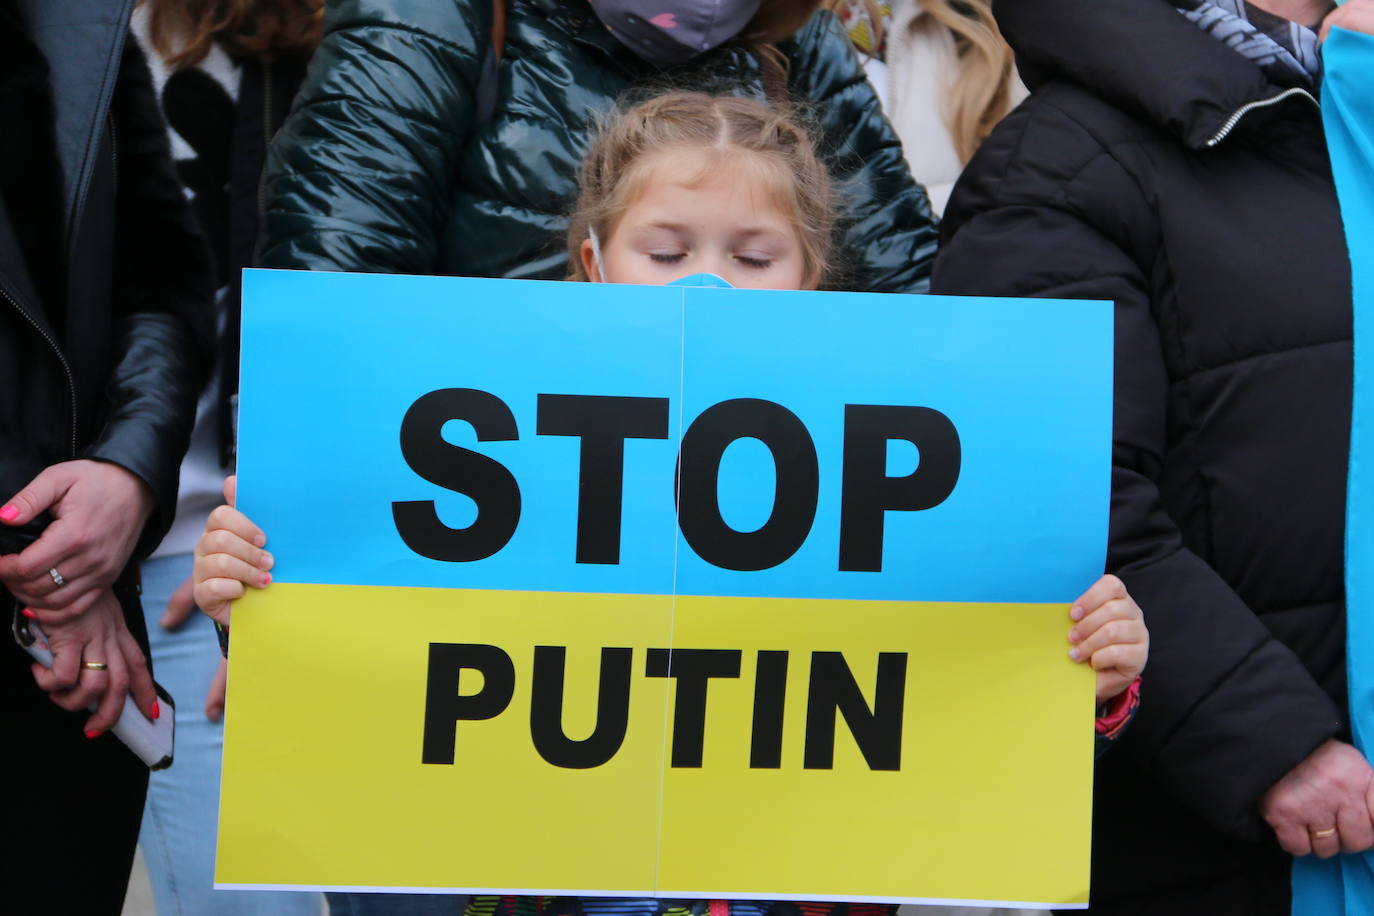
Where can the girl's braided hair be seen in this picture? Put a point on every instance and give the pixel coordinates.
(767, 138)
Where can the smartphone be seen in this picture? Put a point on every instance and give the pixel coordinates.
(151, 740)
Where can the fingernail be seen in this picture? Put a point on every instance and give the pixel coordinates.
(93, 733)
(1076, 612)
(1073, 636)
(1074, 653)
(157, 710)
(9, 513)
(265, 561)
(266, 579)
(29, 614)
(259, 539)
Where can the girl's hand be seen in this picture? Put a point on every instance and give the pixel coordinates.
(1109, 634)
(229, 559)
(1355, 16)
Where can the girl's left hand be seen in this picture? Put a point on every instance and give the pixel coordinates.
(1109, 634)
(1355, 16)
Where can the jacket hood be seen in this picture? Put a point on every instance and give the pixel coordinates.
(1140, 55)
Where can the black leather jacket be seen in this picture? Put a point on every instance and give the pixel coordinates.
(109, 364)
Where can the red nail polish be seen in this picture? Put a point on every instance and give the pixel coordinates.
(9, 513)
(266, 578)
(94, 733)
(29, 614)
(157, 710)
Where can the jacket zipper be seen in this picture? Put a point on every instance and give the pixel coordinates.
(1242, 111)
(266, 131)
(114, 151)
(61, 359)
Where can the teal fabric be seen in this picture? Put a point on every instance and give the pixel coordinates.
(1345, 884)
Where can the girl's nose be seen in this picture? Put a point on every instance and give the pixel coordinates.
(721, 265)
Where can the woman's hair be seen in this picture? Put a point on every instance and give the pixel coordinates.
(980, 94)
(775, 21)
(183, 31)
(774, 142)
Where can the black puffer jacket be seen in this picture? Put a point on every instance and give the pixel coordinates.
(1155, 167)
(384, 164)
(108, 363)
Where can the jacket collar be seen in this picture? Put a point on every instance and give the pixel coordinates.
(579, 21)
(1140, 55)
(82, 41)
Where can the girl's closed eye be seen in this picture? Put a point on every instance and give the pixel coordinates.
(755, 259)
(667, 257)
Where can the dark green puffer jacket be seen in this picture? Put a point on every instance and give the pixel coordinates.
(383, 165)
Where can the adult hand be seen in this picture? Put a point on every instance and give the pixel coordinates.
(98, 511)
(229, 558)
(1356, 16)
(214, 700)
(98, 636)
(1324, 805)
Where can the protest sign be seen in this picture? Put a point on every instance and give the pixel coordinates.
(665, 591)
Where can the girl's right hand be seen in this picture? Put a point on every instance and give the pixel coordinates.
(1109, 634)
(229, 559)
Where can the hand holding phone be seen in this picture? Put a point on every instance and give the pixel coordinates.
(152, 740)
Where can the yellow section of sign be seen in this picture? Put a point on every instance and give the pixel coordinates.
(325, 784)
(993, 800)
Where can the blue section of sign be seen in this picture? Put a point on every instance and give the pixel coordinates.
(332, 362)
(1027, 386)
(1345, 884)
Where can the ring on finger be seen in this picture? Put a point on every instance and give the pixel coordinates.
(56, 577)
(101, 666)
(1323, 834)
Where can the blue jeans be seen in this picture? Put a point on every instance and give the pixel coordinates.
(181, 814)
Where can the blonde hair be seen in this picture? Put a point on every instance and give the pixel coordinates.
(780, 148)
(183, 31)
(980, 94)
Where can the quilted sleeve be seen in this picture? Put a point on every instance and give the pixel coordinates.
(359, 176)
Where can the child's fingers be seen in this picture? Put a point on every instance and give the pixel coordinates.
(1108, 588)
(227, 566)
(224, 541)
(213, 596)
(1111, 657)
(1116, 609)
(1110, 633)
(231, 519)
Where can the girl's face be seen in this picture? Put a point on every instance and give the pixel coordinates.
(691, 218)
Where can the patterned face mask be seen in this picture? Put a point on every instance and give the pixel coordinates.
(667, 32)
(1288, 53)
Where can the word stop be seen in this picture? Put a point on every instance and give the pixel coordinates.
(604, 423)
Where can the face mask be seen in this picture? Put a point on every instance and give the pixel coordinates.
(667, 32)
